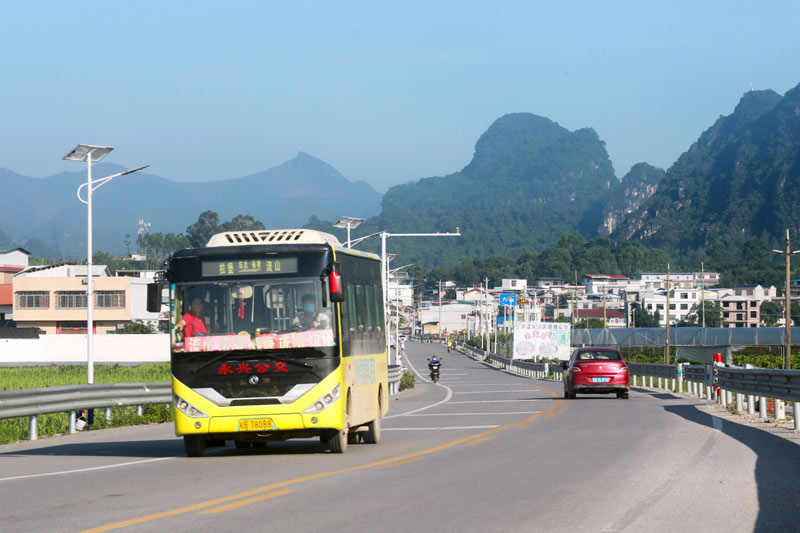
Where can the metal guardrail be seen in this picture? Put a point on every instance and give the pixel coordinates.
(35, 402)
(395, 374)
(783, 384)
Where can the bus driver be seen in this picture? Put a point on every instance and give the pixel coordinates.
(192, 322)
(311, 318)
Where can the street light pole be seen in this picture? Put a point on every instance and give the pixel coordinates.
(788, 253)
(91, 153)
(666, 346)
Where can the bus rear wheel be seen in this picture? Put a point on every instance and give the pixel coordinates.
(195, 445)
(373, 433)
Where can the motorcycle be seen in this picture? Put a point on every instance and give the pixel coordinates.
(434, 368)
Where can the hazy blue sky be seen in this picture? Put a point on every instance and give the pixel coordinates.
(386, 94)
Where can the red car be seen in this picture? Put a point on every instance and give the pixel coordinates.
(596, 371)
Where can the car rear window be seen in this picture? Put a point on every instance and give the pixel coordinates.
(599, 356)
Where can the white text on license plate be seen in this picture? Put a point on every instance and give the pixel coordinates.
(601, 380)
(256, 424)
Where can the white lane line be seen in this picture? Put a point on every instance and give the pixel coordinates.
(492, 391)
(439, 428)
(45, 474)
(446, 398)
(480, 414)
(502, 401)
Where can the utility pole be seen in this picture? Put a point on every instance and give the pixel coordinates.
(703, 291)
(574, 302)
(666, 346)
(787, 253)
(440, 308)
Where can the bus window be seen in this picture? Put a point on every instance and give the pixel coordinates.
(361, 310)
(370, 290)
(352, 309)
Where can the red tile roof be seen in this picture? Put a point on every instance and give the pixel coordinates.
(11, 268)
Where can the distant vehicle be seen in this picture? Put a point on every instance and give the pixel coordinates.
(596, 371)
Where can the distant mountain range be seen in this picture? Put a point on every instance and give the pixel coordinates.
(738, 182)
(732, 193)
(45, 217)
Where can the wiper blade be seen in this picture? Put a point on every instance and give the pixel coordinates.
(211, 362)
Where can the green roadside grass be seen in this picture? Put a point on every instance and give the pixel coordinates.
(36, 377)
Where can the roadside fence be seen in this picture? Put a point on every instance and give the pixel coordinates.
(741, 388)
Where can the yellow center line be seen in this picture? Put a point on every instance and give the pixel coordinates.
(248, 501)
(484, 439)
(562, 409)
(400, 463)
(549, 415)
(318, 475)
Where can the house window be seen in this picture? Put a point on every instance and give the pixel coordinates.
(109, 300)
(71, 300)
(33, 299)
(752, 314)
(649, 307)
(659, 306)
(684, 295)
(684, 307)
(672, 306)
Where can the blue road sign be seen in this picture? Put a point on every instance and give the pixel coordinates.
(507, 298)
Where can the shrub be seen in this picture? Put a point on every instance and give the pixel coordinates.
(407, 381)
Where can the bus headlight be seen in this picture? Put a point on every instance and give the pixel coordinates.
(325, 401)
(187, 408)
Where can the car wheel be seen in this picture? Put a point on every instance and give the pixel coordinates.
(571, 395)
(623, 395)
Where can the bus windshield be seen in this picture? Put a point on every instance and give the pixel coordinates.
(253, 314)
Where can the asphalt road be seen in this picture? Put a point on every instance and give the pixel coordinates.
(483, 450)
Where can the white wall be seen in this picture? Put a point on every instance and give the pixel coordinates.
(72, 349)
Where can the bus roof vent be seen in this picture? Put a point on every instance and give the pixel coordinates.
(278, 236)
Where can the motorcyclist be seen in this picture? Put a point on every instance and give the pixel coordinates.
(434, 363)
(449, 346)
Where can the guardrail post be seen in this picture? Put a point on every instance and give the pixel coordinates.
(72, 421)
(680, 377)
(796, 415)
(739, 404)
(33, 422)
(729, 398)
(780, 409)
(108, 415)
(751, 404)
(762, 407)
(651, 381)
(709, 392)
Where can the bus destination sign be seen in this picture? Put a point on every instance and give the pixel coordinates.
(249, 267)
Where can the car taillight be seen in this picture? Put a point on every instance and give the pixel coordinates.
(576, 369)
(622, 369)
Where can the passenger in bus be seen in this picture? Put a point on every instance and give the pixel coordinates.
(311, 318)
(193, 322)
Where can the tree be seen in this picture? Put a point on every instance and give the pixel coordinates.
(136, 327)
(241, 223)
(695, 317)
(596, 323)
(771, 312)
(643, 319)
(207, 225)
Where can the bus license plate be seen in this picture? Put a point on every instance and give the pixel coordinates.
(256, 424)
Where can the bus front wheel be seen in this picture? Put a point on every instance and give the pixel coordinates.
(195, 445)
(337, 440)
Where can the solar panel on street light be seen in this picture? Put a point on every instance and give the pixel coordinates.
(82, 151)
(349, 222)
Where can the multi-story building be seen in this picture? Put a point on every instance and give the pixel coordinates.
(53, 299)
(681, 301)
(741, 305)
(688, 280)
(615, 318)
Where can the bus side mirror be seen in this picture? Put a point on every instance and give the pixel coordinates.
(153, 297)
(336, 286)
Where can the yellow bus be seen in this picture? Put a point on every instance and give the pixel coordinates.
(276, 335)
